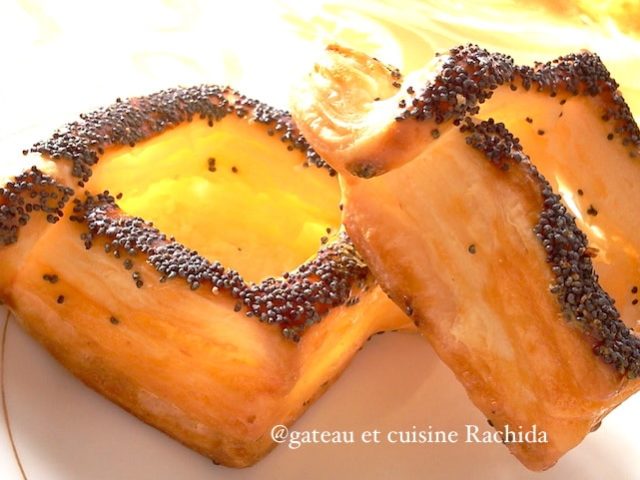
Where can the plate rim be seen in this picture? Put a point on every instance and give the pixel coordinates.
(5, 408)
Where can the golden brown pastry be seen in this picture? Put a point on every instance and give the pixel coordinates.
(471, 240)
(577, 129)
(141, 292)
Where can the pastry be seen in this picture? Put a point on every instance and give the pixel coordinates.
(472, 240)
(145, 249)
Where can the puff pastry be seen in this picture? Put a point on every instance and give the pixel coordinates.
(530, 307)
(125, 249)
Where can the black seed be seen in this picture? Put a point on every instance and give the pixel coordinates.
(467, 78)
(30, 193)
(362, 170)
(51, 278)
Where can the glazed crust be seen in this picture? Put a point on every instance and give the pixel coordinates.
(472, 241)
(81, 144)
(178, 339)
(125, 123)
(294, 302)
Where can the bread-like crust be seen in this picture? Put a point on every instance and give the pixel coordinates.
(577, 129)
(473, 242)
(179, 340)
